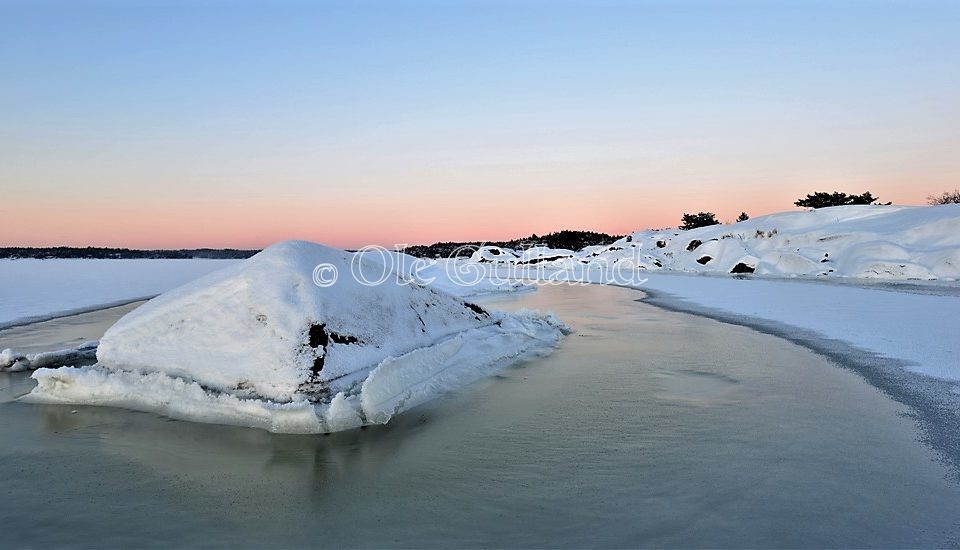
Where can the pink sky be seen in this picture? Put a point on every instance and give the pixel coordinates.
(355, 220)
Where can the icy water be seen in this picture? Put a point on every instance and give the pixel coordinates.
(646, 428)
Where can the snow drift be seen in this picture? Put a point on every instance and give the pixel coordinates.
(260, 344)
(888, 242)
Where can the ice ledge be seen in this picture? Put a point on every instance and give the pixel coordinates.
(396, 384)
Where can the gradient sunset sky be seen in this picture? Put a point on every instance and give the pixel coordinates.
(236, 124)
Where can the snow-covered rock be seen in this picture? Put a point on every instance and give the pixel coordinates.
(261, 344)
(493, 254)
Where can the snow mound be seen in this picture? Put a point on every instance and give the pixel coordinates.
(870, 241)
(261, 344)
(492, 254)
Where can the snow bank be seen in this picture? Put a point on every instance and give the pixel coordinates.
(886, 242)
(919, 329)
(260, 344)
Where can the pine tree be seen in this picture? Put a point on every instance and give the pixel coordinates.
(700, 219)
(822, 199)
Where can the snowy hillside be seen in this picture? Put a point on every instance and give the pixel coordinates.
(260, 344)
(889, 242)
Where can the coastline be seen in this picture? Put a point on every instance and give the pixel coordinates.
(35, 319)
(65, 330)
(935, 402)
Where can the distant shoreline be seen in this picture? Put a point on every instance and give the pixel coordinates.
(566, 239)
(107, 253)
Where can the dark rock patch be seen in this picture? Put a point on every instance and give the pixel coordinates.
(541, 259)
(476, 309)
(317, 336)
(341, 339)
(742, 268)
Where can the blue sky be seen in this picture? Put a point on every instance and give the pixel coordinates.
(351, 122)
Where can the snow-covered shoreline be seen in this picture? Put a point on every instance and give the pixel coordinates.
(860, 242)
(771, 269)
(917, 329)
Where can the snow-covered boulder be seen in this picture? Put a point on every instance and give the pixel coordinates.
(493, 254)
(263, 336)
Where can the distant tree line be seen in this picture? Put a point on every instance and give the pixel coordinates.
(572, 240)
(947, 197)
(100, 253)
